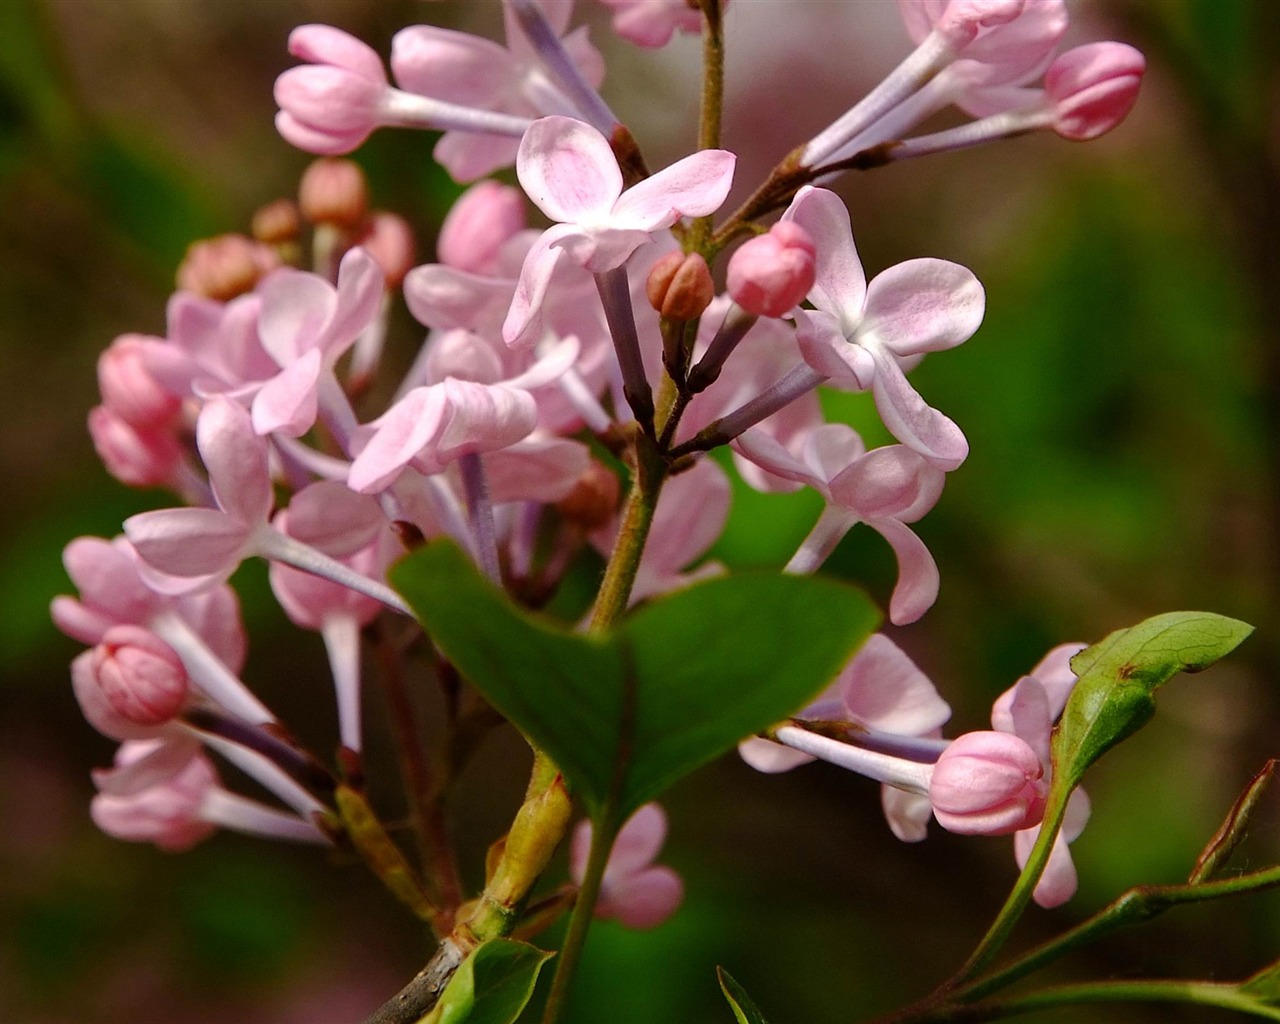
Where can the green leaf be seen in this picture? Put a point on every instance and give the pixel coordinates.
(1118, 676)
(1264, 986)
(744, 1008)
(492, 986)
(627, 713)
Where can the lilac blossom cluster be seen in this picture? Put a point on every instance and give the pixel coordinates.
(545, 347)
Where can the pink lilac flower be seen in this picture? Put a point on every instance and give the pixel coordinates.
(988, 783)
(1029, 710)
(772, 273)
(865, 336)
(569, 171)
(651, 23)
(140, 677)
(634, 891)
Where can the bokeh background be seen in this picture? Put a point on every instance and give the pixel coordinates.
(1121, 401)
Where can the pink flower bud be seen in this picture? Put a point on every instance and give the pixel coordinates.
(334, 191)
(389, 240)
(276, 223)
(960, 21)
(331, 107)
(128, 387)
(167, 812)
(987, 783)
(140, 676)
(224, 267)
(485, 217)
(770, 274)
(679, 286)
(138, 457)
(1093, 88)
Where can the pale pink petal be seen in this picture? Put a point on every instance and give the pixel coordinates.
(469, 155)
(639, 841)
(361, 285)
(550, 367)
(918, 580)
(646, 900)
(452, 66)
(106, 574)
(141, 764)
(1024, 710)
(825, 347)
(1058, 883)
(400, 433)
(923, 305)
(911, 420)
(567, 168)
(769, 757)
(333, 518)
(888, 483)
(288, 403)
(479, 418)
(884, 689)
(484, 218)
(446, 299)
(908, 814)
(236, 459)
(523, 325)
(315, 140)
(690, 516)
(767, 453)
(296, 308)
(215, 615)
(188, 542)
(324, 44)
(544, 469)
(465, 356)
(840, 285)
(832, 448)
(692, 187)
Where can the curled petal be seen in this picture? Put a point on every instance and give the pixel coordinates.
(924, 305)
(825, 347)
(324, 44)
(892, 482)
(911, 420)
(446, 298)
(567, 168)
(236, 459)
(908, 814)
(189, 542)
(692, 187)
(480, 418)
(288, 403)
(840, 284)
(400, 433)
(761, 448)
(884, 689)
(769, 757)
(296, 308)
(918, 580)
(523, 325)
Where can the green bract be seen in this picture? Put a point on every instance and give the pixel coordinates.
(492, 986)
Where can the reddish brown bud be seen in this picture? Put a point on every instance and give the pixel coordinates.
(680, 286)
(277, 223)
(334, 192)
(593, 502)
(222, 268)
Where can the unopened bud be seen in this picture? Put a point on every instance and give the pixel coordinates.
(680, 286)
(389, 240)
(593, 502)
(988, 783)
(139, 457)
(141, 677)
(334, 192)
(277, 223)
(129, 389)
(1093, 88)
(222, 268)
(485, 217)
(772, 273)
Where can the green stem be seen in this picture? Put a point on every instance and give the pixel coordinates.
(1198, 993)
(1023, 889)
(1136, 906)
(650, 471)
(583, 908)
(712, 102)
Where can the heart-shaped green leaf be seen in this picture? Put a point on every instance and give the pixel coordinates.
(492, 986)
(1118, 677)
(744, 1008)
(627, 713)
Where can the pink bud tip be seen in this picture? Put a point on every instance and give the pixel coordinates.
(770, 274)
(331, 106)
(140, 675)
(129, 389)
(137, 457)
(485, 217)
(1093, 88)
(988, 783)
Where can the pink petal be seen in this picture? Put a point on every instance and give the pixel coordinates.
(910, 420)
(567, 168)
(769, 757)
(535, 470)
(106, 574)
(323, 44)
(888, 483)
(333, 518)
(840, 285)
(523, 325)
(445, 298)
(824, 346)
(908, 814)
(639, 841)
(918, 579)
(400, 433)
(452, 66)
(188, 542)
(646, 900)
(690, 516)
(1054, 673)
(288, 403)
(884, 689)
(236, 459)
(693, 187)
(468, 156)
(315, 140)
(479, 418)
(762, 449)
(361, 285)
(465, 356)
(1023, 710)
(296, 308)
(923, 305)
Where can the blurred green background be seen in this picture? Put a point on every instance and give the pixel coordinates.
(1121, 401)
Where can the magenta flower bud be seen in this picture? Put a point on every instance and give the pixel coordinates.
(138, 457)
(770, 274)
(167, 813)
(988, 783)
(129, 389)
(331, 106)
(1093, 88)
(389, 240)
(141, 676)
(485, 217)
